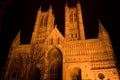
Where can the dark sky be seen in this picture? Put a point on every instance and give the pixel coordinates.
(18, 15)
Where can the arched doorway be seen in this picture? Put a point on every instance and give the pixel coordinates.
(76, 74)
(35, 74)
(55, 64)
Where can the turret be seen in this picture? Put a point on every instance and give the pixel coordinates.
(50, 22)
(66, 21)
(80, 21)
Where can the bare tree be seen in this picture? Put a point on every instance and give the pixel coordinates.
(36, 57)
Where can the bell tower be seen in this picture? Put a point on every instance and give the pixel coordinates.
(43, 26)
(74, 29)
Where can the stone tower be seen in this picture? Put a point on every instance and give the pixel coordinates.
(52, 56)
(74, 29)
(43, 26)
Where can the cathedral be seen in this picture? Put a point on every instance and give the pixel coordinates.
(52, 56)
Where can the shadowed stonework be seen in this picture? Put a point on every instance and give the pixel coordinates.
(52, 56)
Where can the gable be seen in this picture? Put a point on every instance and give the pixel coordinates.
(54, 38)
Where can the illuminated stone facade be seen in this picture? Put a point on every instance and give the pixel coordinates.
(52, 56)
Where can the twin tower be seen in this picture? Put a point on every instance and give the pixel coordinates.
(52, 56)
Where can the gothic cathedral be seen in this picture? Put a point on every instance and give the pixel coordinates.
(52, 56)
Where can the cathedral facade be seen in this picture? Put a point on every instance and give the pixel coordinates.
(52, 56)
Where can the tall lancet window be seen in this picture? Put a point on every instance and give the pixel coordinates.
(41, 21)
(73, 17)
(45, 21)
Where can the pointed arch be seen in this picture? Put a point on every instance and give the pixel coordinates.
(55, 64)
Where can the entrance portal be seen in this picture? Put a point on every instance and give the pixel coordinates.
(35, 74)
(76, 74)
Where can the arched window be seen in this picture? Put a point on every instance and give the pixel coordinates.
(71, 35)
(54, 71)
(41, 21)
(75, 16)
(55, 63)
(45, 21)
(71, 17)
(76, 35)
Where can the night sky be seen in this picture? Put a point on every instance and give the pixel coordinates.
(18, 15)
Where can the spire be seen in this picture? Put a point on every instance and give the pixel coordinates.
(50, 9)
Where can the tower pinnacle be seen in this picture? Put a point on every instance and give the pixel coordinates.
(50, 9)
